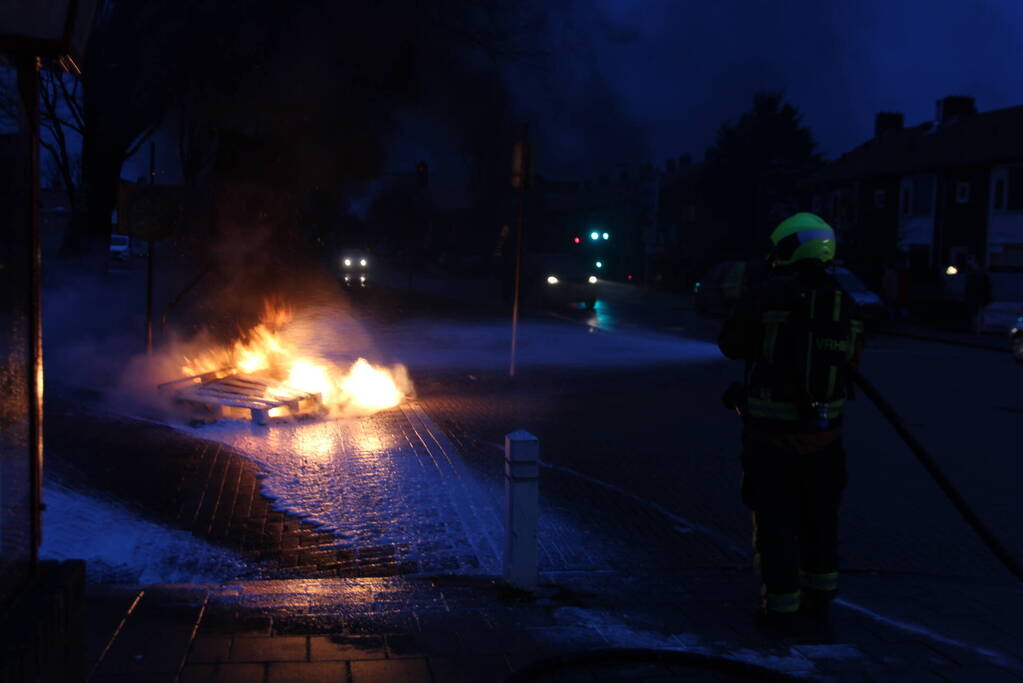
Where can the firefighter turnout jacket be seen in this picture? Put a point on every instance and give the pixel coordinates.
(799, 334)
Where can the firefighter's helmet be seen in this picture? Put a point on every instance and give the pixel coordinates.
(801, 237)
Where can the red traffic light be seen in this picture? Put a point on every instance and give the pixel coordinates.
(628, 277)
(576, 240)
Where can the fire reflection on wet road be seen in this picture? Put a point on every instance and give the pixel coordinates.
(390, 482)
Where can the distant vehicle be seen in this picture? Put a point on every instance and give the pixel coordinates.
(560, 280)
(353, 266)
(1006, 304)
(726, 282)
(1016, 339)
(119, 247)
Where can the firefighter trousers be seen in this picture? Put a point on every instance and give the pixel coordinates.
(795, 500)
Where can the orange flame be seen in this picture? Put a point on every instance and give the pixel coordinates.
(363, 388)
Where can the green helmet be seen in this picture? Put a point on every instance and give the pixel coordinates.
(803, 236)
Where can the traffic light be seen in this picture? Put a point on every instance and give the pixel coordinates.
(576, 240)
(594, 235)
(423, 174)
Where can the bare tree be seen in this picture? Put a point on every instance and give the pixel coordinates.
(61, 112)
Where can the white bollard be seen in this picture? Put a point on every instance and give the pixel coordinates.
(521, 475)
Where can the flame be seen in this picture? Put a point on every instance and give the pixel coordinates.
(362, 389)
(371, 388)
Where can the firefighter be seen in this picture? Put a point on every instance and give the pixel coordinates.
(800, 335)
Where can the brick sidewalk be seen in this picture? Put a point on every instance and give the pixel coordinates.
(581, 626)
(629, 596)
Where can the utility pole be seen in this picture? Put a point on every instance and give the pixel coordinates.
(150, 246)
(28, 85)
(520, 179)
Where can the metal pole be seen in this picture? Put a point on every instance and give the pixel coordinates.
(28, 84)
(150, 248)
(520, 170)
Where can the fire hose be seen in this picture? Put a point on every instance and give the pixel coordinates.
(943, 482)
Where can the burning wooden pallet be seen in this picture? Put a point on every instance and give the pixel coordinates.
(227, 393)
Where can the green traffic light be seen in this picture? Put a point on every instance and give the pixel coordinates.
(594, 235)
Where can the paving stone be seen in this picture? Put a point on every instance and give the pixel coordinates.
(391, 671)
(403, 645)
(469, 669)
(309, 624)
(346, 647)
(210, 649)
(224, 672)
(308, 672)
(270, 649)
(199, 673)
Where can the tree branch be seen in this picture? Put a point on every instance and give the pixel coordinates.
(140, 140)
(74, 104)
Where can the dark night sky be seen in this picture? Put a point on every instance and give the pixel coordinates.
(636, 80)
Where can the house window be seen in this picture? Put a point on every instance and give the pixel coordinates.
(1000, 193)
(1014, 196)
(962, 192)
(880, 199)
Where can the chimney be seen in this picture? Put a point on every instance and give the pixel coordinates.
(954, 108)
(887, 122)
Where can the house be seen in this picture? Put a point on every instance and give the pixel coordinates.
(943, 193)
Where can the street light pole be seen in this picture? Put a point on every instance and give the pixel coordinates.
(520, 171)
(28, 85)
(150, 246)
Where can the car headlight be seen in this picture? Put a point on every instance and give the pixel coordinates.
(348, 262)
(592, 279)
(552, 280)
(362, 262)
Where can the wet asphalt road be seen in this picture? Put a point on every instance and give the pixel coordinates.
(628, 396)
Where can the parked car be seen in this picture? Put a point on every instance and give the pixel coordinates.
(726, 282)
(870, 304)
(721, 287)
(1006, 304)
(1016, 339)
(119, 247)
